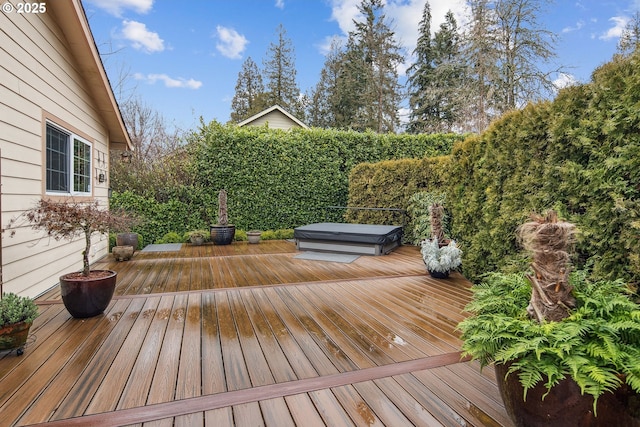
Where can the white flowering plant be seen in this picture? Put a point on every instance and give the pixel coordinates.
(441, 259)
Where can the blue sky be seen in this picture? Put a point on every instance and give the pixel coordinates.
(183, 57)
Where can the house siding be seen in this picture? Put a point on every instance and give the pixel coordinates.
(40, 81)
(276, 120)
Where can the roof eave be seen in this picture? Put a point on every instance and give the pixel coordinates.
(70, 16)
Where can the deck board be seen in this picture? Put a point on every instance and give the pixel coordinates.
(247, 335)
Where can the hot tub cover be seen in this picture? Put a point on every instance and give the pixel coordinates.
(354, 233)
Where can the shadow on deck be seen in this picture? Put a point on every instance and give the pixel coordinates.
(248, 335)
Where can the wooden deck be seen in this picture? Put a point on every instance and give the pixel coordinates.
(247, 335)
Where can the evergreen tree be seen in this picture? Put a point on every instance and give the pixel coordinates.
(369, 92)
(280, 72)
(419, 76)
(436, 78)
(322, 100)
(249, 97)
(448, 76)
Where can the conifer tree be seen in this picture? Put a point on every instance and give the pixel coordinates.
(249, 96)
(419, 76)
(436, 79)
(369, 92)
(323, 98)
(280, 73)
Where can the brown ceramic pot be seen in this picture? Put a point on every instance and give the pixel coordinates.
(564, 405)
(88, 296)
(14, 335)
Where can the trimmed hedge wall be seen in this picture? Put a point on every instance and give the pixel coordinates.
(579, 154)
(275, 179)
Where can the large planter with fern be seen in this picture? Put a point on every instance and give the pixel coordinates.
(565, 347)
(222, 233)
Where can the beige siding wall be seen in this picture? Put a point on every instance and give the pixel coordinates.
(276, 120)
(39, 80)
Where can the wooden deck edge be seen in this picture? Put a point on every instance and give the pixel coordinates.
(238, 397)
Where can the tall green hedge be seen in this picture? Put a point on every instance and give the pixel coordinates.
(275, 179)
(579, 154)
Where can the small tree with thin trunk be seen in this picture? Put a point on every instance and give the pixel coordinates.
(70, 219)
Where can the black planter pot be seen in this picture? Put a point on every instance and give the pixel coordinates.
(87, 296)
(564, 405)
(222, 234)
(439, 275)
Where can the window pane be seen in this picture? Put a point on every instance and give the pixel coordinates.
(81, 167)
(57, 175)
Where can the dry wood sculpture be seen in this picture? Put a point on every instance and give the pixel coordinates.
(548, 240)
(436, 212)
(223, 219)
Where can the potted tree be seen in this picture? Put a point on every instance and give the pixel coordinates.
(222, 233)
(566, 347)
(88, 292)
(16, 316)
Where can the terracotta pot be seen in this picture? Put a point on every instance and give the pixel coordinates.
(14, 336)
(87, 296)
(564, 405)
(127, 239)
(222, 234)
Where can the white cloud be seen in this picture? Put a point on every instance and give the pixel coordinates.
(576, 27)
(168, 81)
(141, 38)
(565, 80)
(280, 4)
(619, 23)
(116, 7)
(231, 43)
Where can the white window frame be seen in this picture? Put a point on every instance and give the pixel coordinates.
(70, 164)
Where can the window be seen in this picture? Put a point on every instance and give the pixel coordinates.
(68, 163)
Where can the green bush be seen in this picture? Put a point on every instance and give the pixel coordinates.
(274, 179)
(578, 155)
(171, 237)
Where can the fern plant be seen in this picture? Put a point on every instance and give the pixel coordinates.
(551, 325)
(595, 344)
